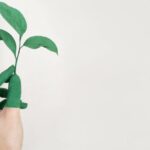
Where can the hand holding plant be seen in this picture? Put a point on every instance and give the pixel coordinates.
(17, 21)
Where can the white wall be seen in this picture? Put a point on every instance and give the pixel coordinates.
(95, 95)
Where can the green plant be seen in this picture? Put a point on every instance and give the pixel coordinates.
(17, 21)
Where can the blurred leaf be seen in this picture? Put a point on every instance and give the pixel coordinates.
(35, 42)
(8, 40)
(14, 92)
(3, 92)
(23, 105)
(14, 18)
(6, 74)
(2, 104)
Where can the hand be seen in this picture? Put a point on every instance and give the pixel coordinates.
(11, 131)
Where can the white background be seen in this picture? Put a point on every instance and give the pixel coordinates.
(95, 94)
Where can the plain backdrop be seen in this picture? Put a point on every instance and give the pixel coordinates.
(95, 94)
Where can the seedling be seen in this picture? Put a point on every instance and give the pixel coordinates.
(17, 21)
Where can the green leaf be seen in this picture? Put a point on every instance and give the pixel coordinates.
(3, 92)
(14, 92)
(35, 42)
(8, 40)
(2, 104)
(6, 74)
(22, 104)
(14, 18)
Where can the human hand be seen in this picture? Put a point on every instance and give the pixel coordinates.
(11, 131)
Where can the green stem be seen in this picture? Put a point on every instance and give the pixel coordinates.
(19, 49)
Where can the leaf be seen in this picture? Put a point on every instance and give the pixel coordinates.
(2, 104)
(6, 74)
(14, 92)
(23, 105)
(3, 92)
(8, 40)
(35, 42)
(14, 18)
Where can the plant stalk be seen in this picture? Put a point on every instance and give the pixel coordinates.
(17, 57)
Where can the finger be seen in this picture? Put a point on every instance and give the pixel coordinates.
(5, 75)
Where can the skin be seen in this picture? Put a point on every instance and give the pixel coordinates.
(11, 131)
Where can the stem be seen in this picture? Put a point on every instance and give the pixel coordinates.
(19, 49)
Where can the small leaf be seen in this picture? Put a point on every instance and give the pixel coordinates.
(14, 18)
(23, 105)
(3, 92)
(8, 40)
(35, 42)
(6, 74)
(2, 104)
